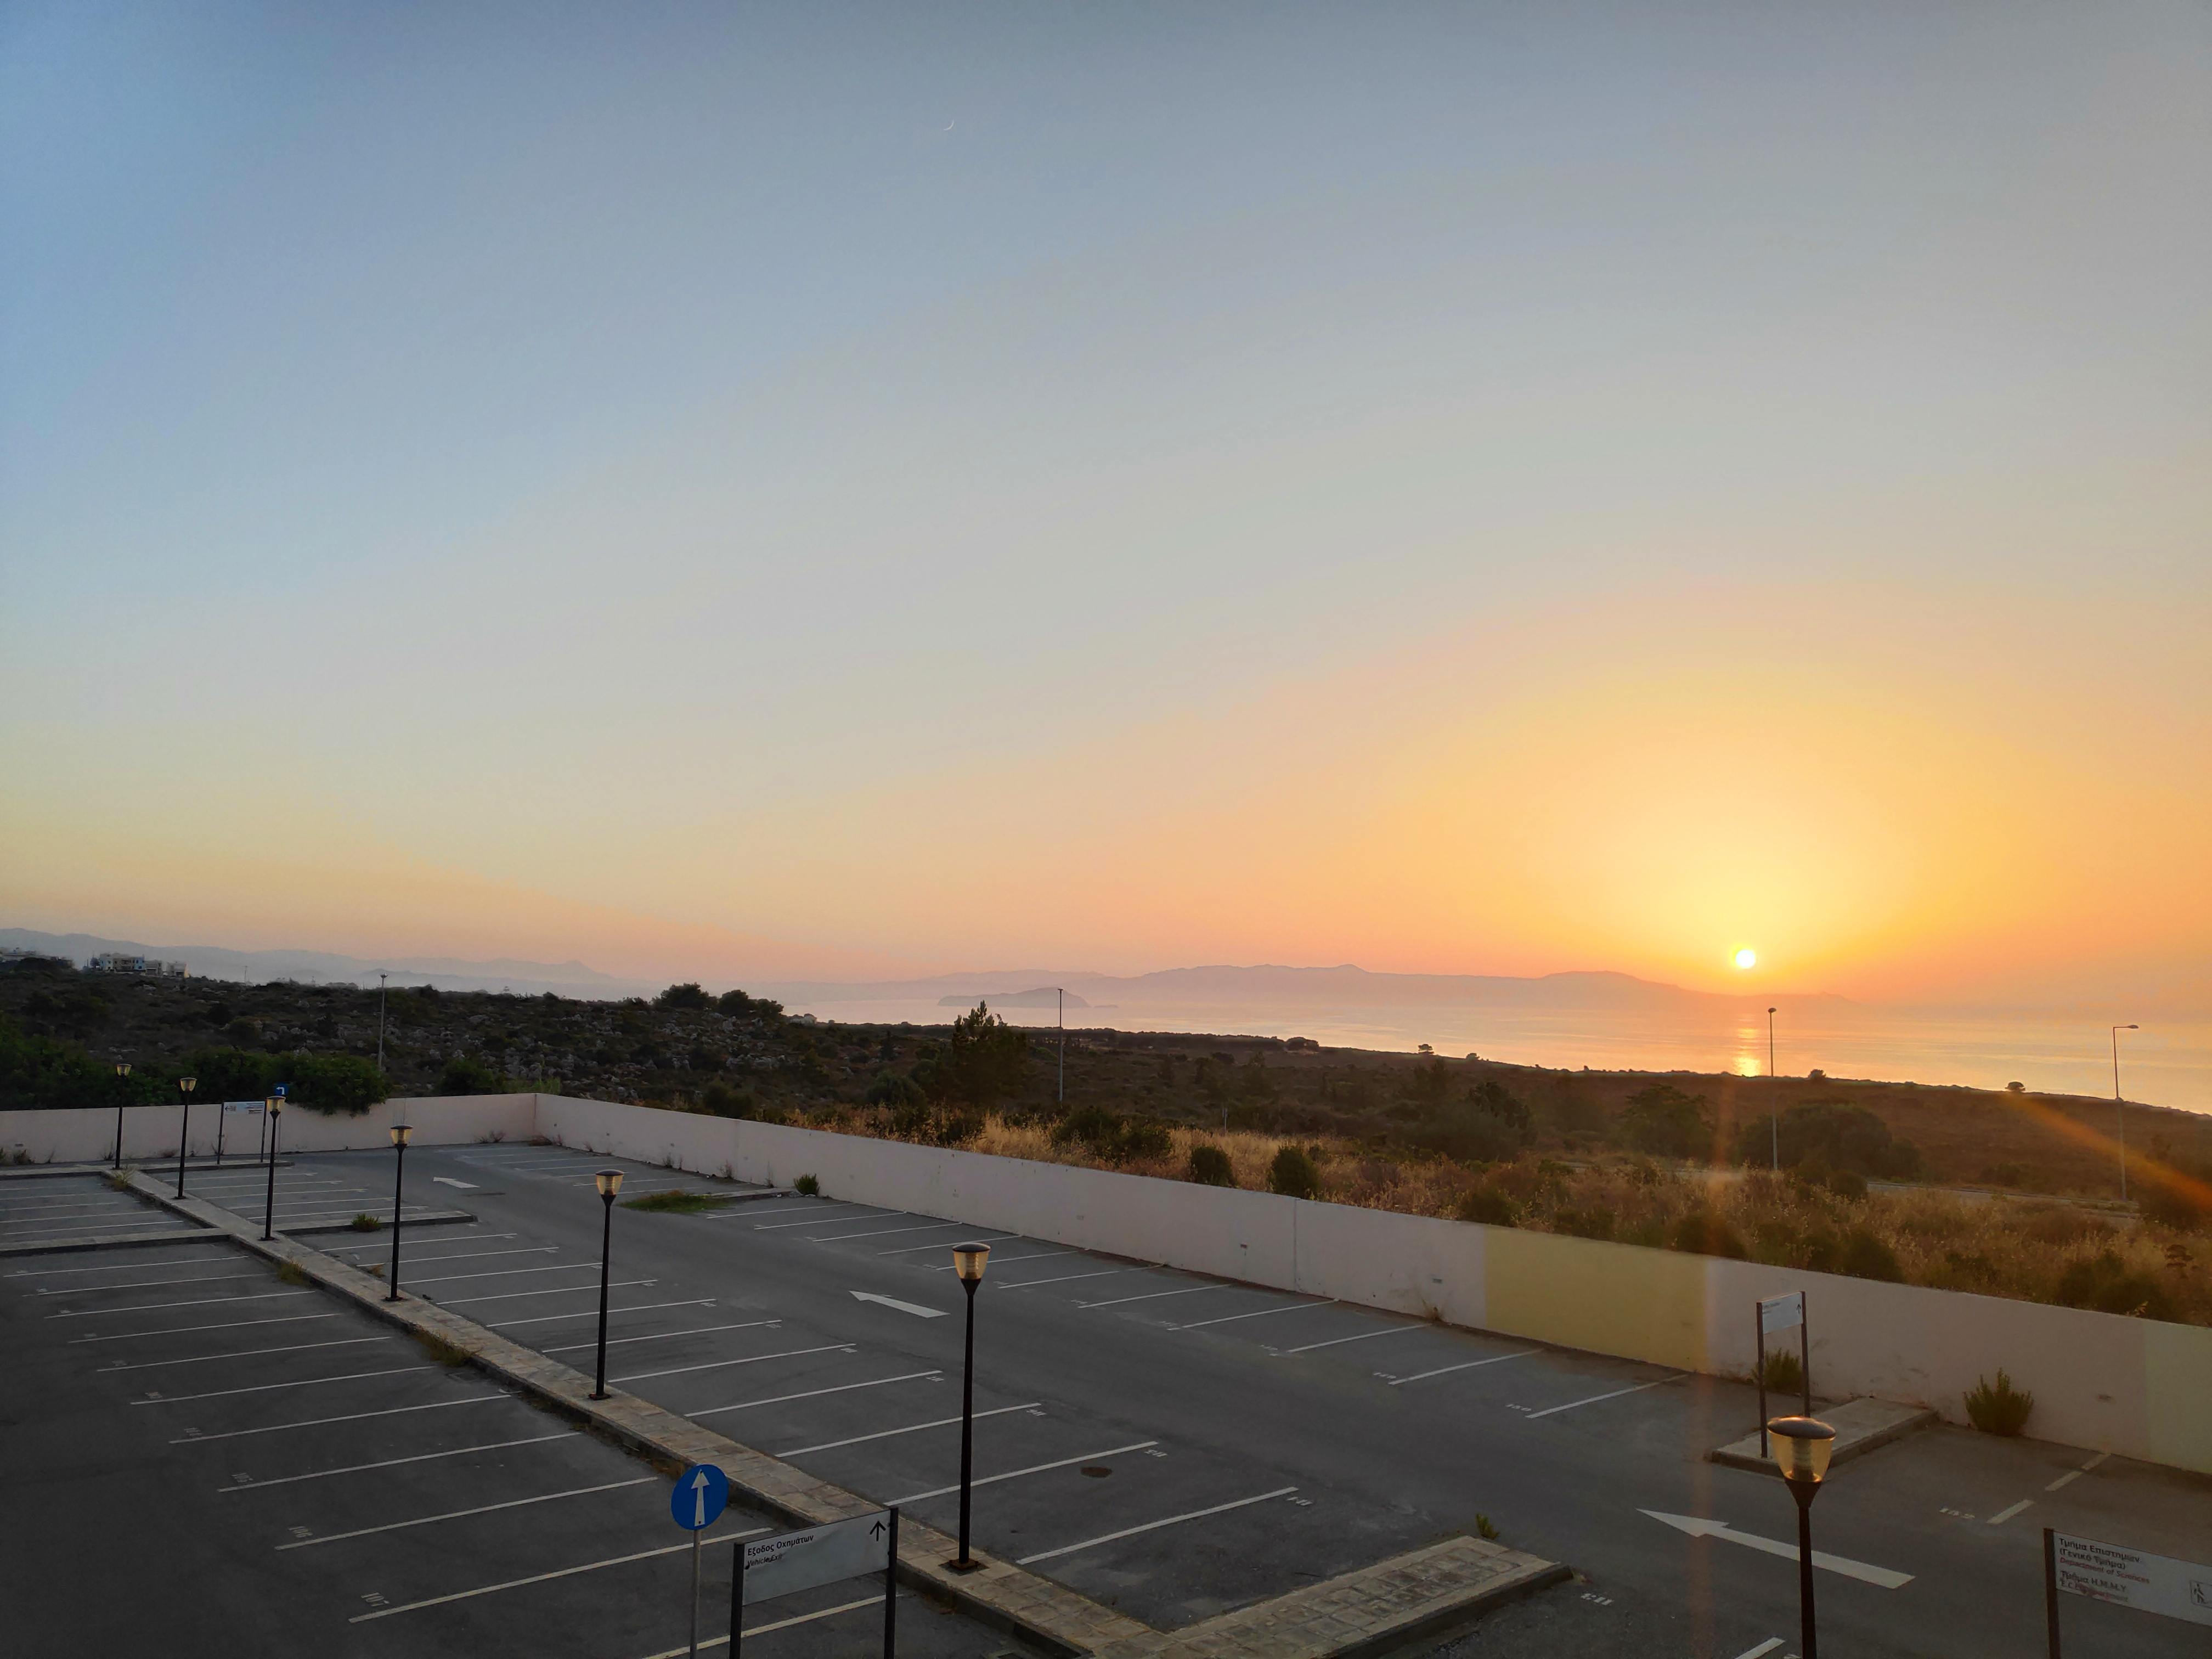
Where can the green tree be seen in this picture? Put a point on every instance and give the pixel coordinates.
(464, 1076)
(332, 1082)
(1829, 1134)
(1294, 1174)
(984, 1061)
(1662, 1119)
(683, 998)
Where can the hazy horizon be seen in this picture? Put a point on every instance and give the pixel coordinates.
(837, 493)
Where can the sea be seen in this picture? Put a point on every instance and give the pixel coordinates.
(2165, 1064)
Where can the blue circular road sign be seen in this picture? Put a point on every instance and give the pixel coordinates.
(702, 1491)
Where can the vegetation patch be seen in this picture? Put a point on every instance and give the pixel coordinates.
(366, 1223)
(676, 1203)
(438, 1349)
(806, 1186)
(2000, 1408)
(291, 1272)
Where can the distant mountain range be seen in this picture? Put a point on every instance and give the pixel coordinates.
(570, 979)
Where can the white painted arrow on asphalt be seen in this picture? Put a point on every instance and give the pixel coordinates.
(903, 1307)
(1698, 1528)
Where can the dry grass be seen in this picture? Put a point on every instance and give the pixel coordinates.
(2022, 1249)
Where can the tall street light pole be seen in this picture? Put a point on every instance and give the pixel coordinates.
(609, 1182)
(399, 1134)
(2120, 1107)
(969, 1260)
(1063, 992)
(1802, 1448)
(185, 1087)
(1773, 1104)
(381, 977)
(272, 1109)
(122, 1071)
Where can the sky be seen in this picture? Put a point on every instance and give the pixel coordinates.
(840, 490)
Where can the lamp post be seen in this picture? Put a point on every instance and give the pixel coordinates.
(609, 1183)
(381, 977)
(272, 1109)
(399, 1133)
(122, 1071)
(185, 1087)
(2120, 1107)
(1802, 1448)
(1774, 1107)
(1061, 991)
(969, 1260)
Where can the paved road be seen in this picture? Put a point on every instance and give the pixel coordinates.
(1303, 1437)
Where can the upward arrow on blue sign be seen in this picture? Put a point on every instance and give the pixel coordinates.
(702, 1493)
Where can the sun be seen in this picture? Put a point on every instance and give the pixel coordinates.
(1746, 958)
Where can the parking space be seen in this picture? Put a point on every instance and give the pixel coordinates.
(47, 1211)
(348, 1489)
(308, 1198)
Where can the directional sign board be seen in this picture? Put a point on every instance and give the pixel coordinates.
(701, 1492)
(1779, 1313)
(2152, 1584)
(820, 1555)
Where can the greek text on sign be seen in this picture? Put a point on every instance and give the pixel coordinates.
(2153, 1583)
(1779, 1313)
(820, 1555)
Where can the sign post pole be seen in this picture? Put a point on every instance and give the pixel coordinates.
(701, 1492)
(738, 1601)
(891, 1589)
(2050, 1588)
(695, 1596)
(1758, 1369)
(1805, 1351)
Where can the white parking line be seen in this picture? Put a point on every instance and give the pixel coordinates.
(662, 1336)
(724, 1364)
(456, 1515)
(2005, 1515)
(393, 1462)
(1288, 1307)
(1762, 1650)
(819, 1220)
(1154, 1296)
(1595, 1398)
(570, 1289)
(592, 1313)
(811, 1394)
(1016, 1475)
(1335, 1341)
(814, 1208)
(886, 1232)
(1041, 1256)
(1064, 1278)
(244, 1353)
(187, 1330)
(113, 1267)
(781, 1624)
(1446, 1370)
(1152, 1526)
(503, 1272)
(560, 1573)
(155, 1284)
(407, 1260)
(911, 1428)
(164, 1307)
(267, 1388)
(318, 1422)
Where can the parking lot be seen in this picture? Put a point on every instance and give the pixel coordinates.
(1168, 1444)
(200, 1458)
(59, 1211)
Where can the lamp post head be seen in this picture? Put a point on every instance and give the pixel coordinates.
(401, 1132)
(273, 1105)
(186, 1085)
(1802, 1449)
(608, 1182)
(969, 1260)
(123, 1068)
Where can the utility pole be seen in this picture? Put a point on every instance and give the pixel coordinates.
(381, 977)
(2120, 1109)
(1774, 1107)
(1062, 992)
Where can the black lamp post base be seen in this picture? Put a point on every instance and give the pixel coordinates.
(963, 1566)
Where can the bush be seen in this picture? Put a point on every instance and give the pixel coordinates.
(684, 997)
(1294, 1174)
(1662, 1119)
(1702, 1232)
(1144, 1138)
(335, 1083)
(2170, 1204)
(1467, 1130)
(1595, 1222)
(2000, 1410)
(957, 1128)
(1865, 1256)
(1783, 1371)
(1209, 1167)
(1487, 1207)
(366, 1223)
(2103, 1284)
(1089, 1125)
(464, 1076)
(895, 1090)
(1832, 1134)
(723, 1101)
(807, 1185)
(675, 1203)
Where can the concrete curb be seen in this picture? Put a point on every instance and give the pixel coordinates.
(1861, 1426)
(1353, 1616)
(37, 1172)
(441, 1219)
(105, 1241)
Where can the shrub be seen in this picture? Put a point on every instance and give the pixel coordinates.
(2170, 1204)
(1865, 1256)
(1484, 1528)
(1662, 1119)
(464, 1076)
(1702, 1232)
(895, 1090)
(366, 1223)
(1294, 1174)
(808, 1185)
(291, 1272)
(684, 997)
(1833, 1133)
(1089, 1125)
(1487, 1207)
(1847, 1184)
(1783, 1371)
(723, 1101)
(1595, 1222)
(1209, 1167)
(676, 1203)
(445, 1353)
(2000, 1410)
(1145, 1137)
(958, 1128)
(2103, 1284)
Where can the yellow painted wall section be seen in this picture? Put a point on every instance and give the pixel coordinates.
(2178, 1375)
(1608, 1298)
